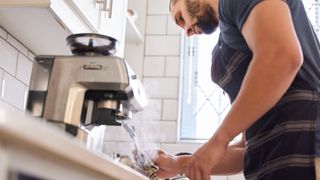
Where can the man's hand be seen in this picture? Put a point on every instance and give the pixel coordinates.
(170, 165)
(216, 157)
(205, 159)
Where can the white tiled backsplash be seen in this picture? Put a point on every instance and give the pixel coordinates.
(162, 45)
(15, 70)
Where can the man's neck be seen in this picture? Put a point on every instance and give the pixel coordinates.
(214, 4)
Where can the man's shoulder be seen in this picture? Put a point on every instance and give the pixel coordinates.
(232, 6)
(235, 12)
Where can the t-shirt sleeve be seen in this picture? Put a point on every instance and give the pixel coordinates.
(242, 10)
(236, 12)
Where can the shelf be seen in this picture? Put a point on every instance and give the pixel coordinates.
(133, 34)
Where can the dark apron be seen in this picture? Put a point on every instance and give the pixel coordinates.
(281, 144)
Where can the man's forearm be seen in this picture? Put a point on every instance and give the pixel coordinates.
(231, 164)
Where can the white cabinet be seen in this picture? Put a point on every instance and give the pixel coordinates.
(113, 21)
(43, 25)
(90, 9)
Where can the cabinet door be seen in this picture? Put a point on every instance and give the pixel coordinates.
(113, 19)
(90, 10)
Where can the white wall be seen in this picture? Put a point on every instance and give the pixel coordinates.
(15, 70)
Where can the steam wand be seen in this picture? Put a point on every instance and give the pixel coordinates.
(142, 160)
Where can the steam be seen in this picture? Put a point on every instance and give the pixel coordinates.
(152, 153)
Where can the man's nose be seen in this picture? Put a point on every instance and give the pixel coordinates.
(189, 32)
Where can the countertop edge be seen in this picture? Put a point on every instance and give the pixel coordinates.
(24, 130)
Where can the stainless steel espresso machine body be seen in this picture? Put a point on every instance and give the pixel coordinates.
(81, 91)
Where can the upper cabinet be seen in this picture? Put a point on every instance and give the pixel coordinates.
(43, 25)
(113, 18)
(90, 10)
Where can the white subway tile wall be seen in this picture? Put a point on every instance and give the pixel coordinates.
(172, 28)
(154, 66)
(152, 111)
(15, 70)
(31, 56)
(3, 33)
(156, 132)
(8, 57)
(161, 87)
(24, 68)
(170, 109)
(173, 66)
(1, 78)
(13, 91)
(162, 45)
(156, 24)
(158, 7)
(15, 43)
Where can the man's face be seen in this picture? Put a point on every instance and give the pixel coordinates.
(194, 17)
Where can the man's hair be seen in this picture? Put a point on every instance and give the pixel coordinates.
(172, 2)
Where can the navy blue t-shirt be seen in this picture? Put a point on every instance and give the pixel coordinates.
(234, 13)
(281, 144)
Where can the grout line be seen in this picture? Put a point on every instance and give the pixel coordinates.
(17, 62)
(167, 22)
(145, 40)
(162, 107)
(165, 66)
(151, 34)
(23, 45)
(4, 71)
(18, 43)
(4, 38)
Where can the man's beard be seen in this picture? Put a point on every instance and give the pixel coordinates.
(204, 14)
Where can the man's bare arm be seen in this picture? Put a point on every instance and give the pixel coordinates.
(232, 162)
(277, 57)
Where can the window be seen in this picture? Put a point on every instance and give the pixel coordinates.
(313, 10)
(204, 104)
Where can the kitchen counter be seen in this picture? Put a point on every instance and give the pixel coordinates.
(30, 146)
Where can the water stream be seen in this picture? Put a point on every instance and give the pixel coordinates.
(142, 160)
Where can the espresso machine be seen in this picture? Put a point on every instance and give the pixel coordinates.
(87, 89)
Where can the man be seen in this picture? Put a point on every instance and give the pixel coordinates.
(267, 60)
